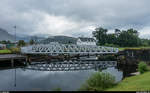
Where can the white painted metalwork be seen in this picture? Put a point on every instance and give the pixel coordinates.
(67, 49)
(72, 65)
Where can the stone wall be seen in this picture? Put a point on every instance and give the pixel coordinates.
(128, 59)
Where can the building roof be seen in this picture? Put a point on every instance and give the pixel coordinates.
(85, 39)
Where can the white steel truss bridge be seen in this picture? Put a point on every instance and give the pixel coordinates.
(72, 65)
(67, 49)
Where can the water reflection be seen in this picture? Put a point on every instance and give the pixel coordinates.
(47, 80)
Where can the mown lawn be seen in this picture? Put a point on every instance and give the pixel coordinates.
(134, 83)
(123, 48)
(5, 51)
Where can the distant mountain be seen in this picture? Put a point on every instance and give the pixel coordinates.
(42, 35)
(4, 35)
(28, 38)
(59, 39)
(45, 39)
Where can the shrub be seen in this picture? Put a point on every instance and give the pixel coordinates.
(98, 82)
(142, 67)
(107, 58)
(15, 50)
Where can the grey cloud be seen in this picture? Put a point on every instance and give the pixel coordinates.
(109, 14)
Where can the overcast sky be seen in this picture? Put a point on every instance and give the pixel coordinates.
(74, 17)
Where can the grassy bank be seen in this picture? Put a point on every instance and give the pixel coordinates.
(5, 51)
(123, 48)
(134, 83)
(9, 51)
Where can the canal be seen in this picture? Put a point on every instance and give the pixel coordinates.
(21, 79)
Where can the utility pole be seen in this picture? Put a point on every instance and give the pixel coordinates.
(15, 78)
(15, 27)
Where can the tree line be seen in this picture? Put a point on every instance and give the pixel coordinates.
(120, 38)
(19, 43)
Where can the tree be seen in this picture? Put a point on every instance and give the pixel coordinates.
(32, 42)
(129, 38)
(101, 35)
(21, 43)
(8, 42)
(117, 32)
(4, 42)
(124, 38)
(111, 39)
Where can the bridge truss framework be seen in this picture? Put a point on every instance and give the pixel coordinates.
(72, 65)
(67, 49)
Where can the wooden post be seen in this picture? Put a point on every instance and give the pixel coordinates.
(132, 54)
(12, 62)
(88, 55)
(27, 59)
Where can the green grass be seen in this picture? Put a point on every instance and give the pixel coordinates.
(5, 51)
(135, 83)
(123, 48)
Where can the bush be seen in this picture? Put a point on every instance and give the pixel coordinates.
(98, 82)
(142, 67)
(107, 58)
(15, 50)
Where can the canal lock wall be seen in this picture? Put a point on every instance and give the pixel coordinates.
(129, 59)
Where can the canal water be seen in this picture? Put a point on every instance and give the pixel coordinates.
(21, 79)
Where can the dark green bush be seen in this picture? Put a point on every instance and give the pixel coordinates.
(98, 82)
(107, 58)
(142, 67)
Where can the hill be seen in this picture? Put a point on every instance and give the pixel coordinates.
(4, 35)
(60, 39)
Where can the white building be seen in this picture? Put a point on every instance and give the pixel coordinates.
(86, 41)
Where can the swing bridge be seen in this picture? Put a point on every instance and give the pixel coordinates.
(53, 49)
(70, 49)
